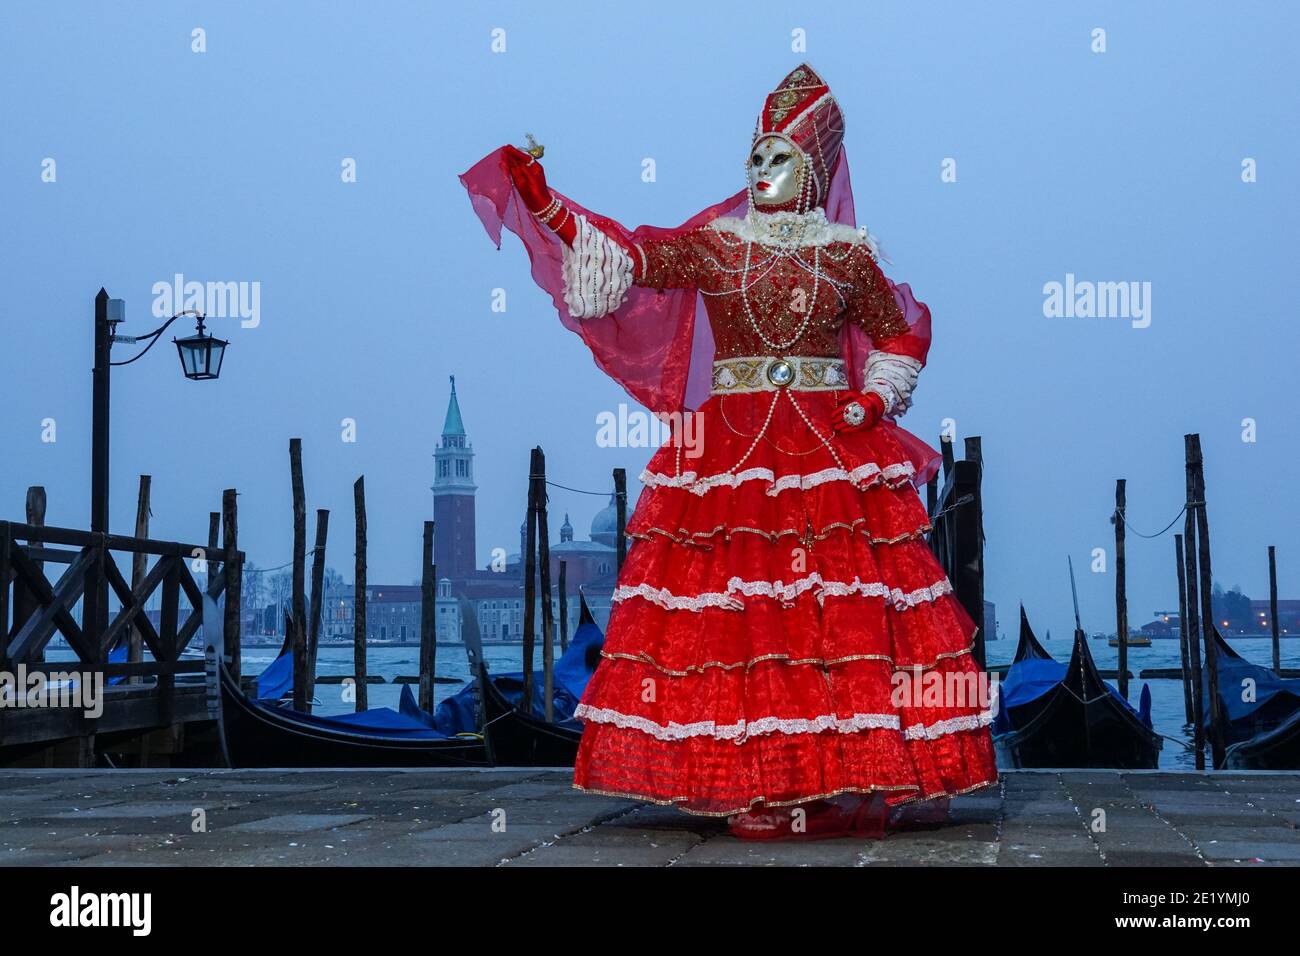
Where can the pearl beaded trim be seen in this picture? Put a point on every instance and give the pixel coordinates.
(862, 477)
(744, 729)
(778, 590)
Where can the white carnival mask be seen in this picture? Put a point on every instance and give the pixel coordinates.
(776, 171)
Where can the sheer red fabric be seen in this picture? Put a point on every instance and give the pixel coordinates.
(659, 345)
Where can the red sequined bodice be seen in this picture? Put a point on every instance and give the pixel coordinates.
(764, 300)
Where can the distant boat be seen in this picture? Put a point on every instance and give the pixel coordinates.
(1134, 640)
(1057, 715)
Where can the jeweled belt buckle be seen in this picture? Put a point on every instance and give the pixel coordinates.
(780, 373)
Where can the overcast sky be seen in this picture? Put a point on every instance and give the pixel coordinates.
(226, 165)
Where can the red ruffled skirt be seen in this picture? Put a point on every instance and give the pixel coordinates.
(775, 606)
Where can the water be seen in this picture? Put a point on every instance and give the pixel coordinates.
(1166, 695)
(1167, 709)
(388, 662)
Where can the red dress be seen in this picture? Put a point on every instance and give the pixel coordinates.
(779, 582)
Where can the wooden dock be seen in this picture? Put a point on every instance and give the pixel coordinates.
(529, 817)
(154, 701)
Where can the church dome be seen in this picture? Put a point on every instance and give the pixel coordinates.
(604, 527)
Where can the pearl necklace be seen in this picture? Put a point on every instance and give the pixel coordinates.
(808, 312)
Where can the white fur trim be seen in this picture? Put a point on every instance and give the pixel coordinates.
(597, 272)
(809, 229)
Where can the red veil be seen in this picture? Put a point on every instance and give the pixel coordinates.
(658, 345)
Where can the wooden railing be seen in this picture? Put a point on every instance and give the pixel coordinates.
(33, 608)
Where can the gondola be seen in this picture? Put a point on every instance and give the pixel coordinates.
(1054, 715)
(1276, 749)
(259, 734)
(519, 737)
(1254, 700)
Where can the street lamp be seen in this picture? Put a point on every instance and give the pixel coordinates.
(201, 356)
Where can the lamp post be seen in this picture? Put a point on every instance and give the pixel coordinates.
(201, 355)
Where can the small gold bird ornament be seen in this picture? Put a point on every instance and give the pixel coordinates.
(532, 147)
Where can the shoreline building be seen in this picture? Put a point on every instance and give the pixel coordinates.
(498, 595)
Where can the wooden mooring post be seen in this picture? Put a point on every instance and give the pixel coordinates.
(211, 562)
(620, 504)
(233, 571)
(139, 565)
(36, 502)
(1195, 464)
(548, 613)
(359, 598)
(1183, 649)
(956, 537)
(530, 575)
(317, 597)
(298, 598)
(1272, 610)
(564, 607)
(1193, 625)
(974, 451)
(1121, 597)
(428, 628)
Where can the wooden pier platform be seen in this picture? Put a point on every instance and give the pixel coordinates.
(529, 817)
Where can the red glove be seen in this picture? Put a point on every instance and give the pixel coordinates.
(872, 405)
(530, 179)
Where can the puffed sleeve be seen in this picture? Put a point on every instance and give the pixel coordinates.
(675, 262)
(873, 306)
(898, 354)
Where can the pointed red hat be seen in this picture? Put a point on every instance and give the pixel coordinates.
(802, 111)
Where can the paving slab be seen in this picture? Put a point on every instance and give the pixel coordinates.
(392, 817)
(297, 823)
(729, 851)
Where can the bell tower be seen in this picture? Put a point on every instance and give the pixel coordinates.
(453, 496)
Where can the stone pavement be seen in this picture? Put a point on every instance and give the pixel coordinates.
(529, 817)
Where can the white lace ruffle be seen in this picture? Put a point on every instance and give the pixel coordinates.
(742, 729)
(597, 273)
(950, 726)
(893, 378)
(781, 591)
(672, 602)
(700, 486)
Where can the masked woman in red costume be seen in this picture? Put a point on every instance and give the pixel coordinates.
(779, 610)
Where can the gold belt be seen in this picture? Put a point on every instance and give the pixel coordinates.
(767, 373)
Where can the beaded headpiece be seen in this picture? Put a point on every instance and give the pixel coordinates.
(802, 111)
